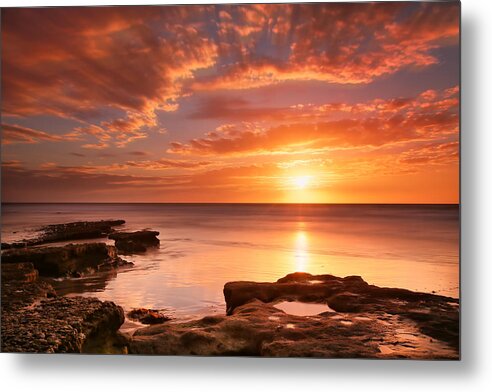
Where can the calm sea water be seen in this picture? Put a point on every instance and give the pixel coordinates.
(205, 246)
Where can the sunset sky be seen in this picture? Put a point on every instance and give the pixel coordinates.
(327, 103)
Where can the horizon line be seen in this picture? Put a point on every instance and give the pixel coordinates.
(222, 203)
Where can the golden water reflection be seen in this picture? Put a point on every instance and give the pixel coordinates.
(204, 247)
(301, 253)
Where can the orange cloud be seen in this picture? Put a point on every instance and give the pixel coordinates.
(81, 62)
(236, 109)
(110, 73)
(377, 178)
(336, 43)
(167, 164)
(53, 183)
(16, 134)
(430, 115)
(12, 163)
(129, 63)
(160, 164)
(120, 131)
(431, 154)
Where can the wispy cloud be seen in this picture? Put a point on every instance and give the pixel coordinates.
(430, 115)
(84, 63)
(336, 43)
(17, 134)
(228, 102)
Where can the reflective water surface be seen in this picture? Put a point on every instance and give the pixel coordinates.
(205, 246)
(302, 309)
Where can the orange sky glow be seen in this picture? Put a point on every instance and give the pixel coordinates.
(294, 103)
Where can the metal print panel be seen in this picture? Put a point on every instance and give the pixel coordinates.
(271, 180)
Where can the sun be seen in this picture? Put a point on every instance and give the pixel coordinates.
(301, 182)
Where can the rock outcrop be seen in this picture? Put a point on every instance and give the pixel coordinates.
(60, 325)
(360, 320)
(70, 260)
(34, 319)
(69, 232)
(148, 316)
(135, 242)
(293, 287)
(22, 272)
(21, 287)
(435, 315)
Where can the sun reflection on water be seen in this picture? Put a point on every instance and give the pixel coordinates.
(201, 251)
(301, 254)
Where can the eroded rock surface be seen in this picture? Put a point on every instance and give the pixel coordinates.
(35, 320)
(135, 242)
(361, 320)
(436, 316)
(69, 260)
(21, 287)
(23, 272)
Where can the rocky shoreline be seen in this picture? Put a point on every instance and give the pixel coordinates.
(68, 232)
(359, 321)
(35, 319)
(353, 319)
(73, 260)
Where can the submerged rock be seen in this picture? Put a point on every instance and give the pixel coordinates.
(361, 320)
(69, 260)
(135, 242)
(148, 316)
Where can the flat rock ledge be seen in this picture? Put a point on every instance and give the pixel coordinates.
(35, 320)
(68, 232)
(360, 321)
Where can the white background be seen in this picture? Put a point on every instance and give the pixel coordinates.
(473, 372)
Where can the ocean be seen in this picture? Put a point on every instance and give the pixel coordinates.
(203, 246)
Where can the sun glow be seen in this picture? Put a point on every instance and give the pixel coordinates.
(301, 182)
